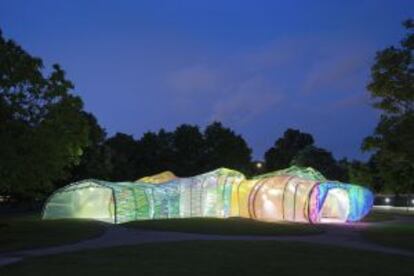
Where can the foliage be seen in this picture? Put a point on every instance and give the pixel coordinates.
(321, 160)
(286, 148)
(42, 127)
(96, 160)
(186, 151)
(224, 148)
(392, 91)
(123, 153)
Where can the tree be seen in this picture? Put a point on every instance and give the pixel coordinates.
(286, 148)
(189, 150)
(155, 153)
(224, 148)
(42, 130)
(321, 160)
(392, 91)
(96, 160)
(366, 174)
(123, 154)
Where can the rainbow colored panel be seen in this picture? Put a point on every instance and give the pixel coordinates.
(294, 194)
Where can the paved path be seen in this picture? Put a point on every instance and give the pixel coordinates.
(117, 235)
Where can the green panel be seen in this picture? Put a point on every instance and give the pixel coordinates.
(305, 173)
(86, 199)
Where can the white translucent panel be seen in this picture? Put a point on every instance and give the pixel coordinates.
(289, 200)
(268, 202)
(229, 184)
(196, 198)
(94, 203)
(185, 198)
(336, 206)
(210, 197)
(301, 204)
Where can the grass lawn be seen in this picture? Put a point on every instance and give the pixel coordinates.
(230, 226)
(216, 258)
(400, 235)
(375, 216)
(29, 231)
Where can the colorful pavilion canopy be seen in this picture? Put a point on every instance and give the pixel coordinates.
(158, 178)
(294, 194)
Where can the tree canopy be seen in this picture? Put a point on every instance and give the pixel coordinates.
(43, 129)
(321, 160)
(286, 148)
(392, 92)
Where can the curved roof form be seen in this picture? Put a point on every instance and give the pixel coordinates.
(158, 178)
(294, 194)
(306, 173)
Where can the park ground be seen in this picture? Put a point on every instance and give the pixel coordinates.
(382, 244)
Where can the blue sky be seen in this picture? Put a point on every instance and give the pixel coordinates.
(260, 67)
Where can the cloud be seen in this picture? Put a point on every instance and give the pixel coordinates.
(248, 100)
(338, 68)
(194, 79)
(351, 102)
(240, 87)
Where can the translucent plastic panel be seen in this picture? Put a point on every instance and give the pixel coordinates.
(161, 204)
(210, 197)
(303, 190)
(289, 196)
(235, 207)
(132, 201)
(360, 200)
(92, 203)
(158, 178)
(142, 204)
(244, 190)
(301, 172)
(185, 197)
(173, 201)
(268, 201)
(230, 183)
(196, 197)
(336, 206)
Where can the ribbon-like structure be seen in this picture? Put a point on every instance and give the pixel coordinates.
(294, 194)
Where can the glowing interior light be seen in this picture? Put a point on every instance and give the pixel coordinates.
(290, 195)
(275, 192)
(387, 200)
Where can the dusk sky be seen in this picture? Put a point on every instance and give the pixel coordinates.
(260, 67)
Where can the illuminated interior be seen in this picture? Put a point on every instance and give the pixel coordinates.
(294, 194)
(336, 206)
(158, 178)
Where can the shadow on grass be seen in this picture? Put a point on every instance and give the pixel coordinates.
(216, 258)
(376, 216)
(230, 226)
(28, 231)
(398, 235)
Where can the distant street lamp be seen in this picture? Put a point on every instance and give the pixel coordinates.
(259, 165)
(387, 200)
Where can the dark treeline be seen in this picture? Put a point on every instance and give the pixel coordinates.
(47, 139)
(186, 151)
(189, 151)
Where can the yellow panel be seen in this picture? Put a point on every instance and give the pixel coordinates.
(158, 178)
(268, 201)
(244, 190)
